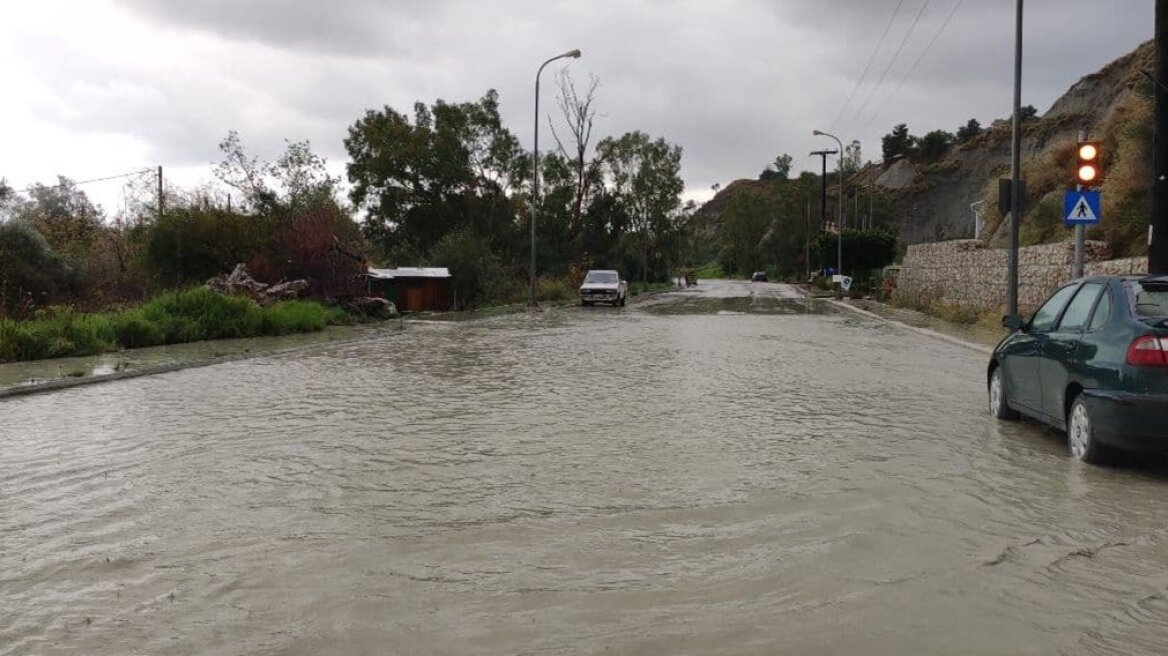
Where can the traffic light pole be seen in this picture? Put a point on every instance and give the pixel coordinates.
(1158, 225)
(1080, 231)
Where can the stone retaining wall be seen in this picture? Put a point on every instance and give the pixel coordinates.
(966, 274)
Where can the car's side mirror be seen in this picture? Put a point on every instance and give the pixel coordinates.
(1012, 321)
(624, 282)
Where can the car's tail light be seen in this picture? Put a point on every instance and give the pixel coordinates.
(1148, 351)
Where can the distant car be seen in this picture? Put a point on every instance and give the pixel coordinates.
(1093, 361)
(603, 286)
(758, 276)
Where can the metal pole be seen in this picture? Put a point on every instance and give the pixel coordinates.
(535, 166)
(1080, 232)
(535, 183)
(807, 243)
(160, 194)
(1015, 170)
(1158, 226)
(823, 190)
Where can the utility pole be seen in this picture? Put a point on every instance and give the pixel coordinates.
(1016, 169)
(161, 200)
(1080, 230)
(1158, 227)
(823, 184)
(807, 243)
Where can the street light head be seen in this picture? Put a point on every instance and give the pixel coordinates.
(574, 54)
(816, 132)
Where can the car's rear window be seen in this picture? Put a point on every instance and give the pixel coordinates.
(1150, 299)
(601, 277)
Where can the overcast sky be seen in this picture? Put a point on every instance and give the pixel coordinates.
(99, 87)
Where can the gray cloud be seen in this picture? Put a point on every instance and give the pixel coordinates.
(734, 83)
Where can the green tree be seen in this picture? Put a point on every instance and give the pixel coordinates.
(780, 169)
(853, 159)
(968, 131)
(419, 180)
(64, 216)
(646, 175)
(475, 271)
(297, 180)
(31, 274)
(934, 144)
(897, 143)
(863, 250)
(748, 219)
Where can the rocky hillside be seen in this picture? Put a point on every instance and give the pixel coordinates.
(931, 202)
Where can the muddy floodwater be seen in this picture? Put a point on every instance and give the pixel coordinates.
(723, 470)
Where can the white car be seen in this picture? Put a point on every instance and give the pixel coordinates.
(603, 286)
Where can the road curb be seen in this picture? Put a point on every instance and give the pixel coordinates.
(58, 384)
(985, 350)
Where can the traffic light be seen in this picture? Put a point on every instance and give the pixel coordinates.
(1089, 168)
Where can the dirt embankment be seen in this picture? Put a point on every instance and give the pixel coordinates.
(1112, 105)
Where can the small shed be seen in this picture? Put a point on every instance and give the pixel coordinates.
(413, 289)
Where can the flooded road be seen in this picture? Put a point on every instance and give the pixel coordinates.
(722, 470)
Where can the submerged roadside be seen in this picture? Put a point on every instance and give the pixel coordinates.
(976, 336)
(46, 375)
(36, 376)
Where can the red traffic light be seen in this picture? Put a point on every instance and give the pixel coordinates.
(1088, 170)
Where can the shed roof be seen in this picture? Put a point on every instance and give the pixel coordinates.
(409, 272)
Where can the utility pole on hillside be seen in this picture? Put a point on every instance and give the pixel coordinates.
(1158, 225)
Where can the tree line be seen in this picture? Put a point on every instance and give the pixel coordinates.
(446, 184)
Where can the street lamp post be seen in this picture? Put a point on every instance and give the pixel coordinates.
(574, 54)
(840, 205)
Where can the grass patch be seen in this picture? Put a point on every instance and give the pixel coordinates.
(172, 318)
(555, 289)
(711, 271)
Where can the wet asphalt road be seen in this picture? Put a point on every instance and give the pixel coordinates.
(722, 470)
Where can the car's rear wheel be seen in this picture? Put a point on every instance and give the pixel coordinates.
(999, 406)
(585, 303)
(1081, 434)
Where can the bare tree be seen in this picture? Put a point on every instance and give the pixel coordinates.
(579, 114)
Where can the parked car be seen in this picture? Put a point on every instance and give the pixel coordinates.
(758, 276)
(603, 286)
(1093, 361)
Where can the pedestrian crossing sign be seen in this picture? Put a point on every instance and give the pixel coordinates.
(1081, 208)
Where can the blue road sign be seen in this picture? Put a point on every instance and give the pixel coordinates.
(1081, 208)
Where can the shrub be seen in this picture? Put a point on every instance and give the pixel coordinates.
(134, 330)
(32, 272)
(474, 269)
(554, 289)
(55, 334)
(199, 313)
(176, 317)
(294, 317)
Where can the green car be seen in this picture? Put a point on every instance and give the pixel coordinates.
(1093, 361)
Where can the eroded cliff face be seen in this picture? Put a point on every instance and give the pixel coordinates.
(933, 202)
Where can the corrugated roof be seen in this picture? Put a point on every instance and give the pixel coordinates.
(410, 272)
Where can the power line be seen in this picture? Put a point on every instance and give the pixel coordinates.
(891, 62)
(916, 63)
(81, 182)
(867, 68)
